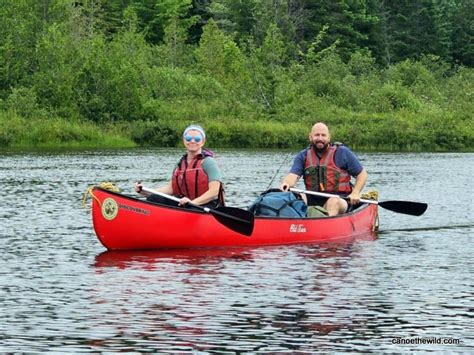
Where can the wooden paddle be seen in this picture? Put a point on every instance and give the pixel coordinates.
(406, 207)
(239, 220)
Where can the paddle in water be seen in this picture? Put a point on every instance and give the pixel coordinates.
(239, 220)
(406, 207)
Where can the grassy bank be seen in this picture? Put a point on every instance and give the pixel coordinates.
(363, 133)
(19, 132)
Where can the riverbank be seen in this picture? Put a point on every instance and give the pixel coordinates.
(21, 133)
(405, 133)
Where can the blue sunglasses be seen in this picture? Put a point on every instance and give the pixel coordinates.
(189, 138)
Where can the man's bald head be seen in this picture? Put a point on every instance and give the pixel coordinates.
(319, 136)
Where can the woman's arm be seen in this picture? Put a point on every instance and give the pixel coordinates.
(211, 194)
(167, 189)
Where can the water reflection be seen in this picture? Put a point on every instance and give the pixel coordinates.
(231, 299)
(147, 259)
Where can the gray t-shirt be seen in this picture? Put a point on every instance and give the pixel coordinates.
(210, 167)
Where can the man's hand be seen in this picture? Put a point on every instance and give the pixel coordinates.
(354, 197)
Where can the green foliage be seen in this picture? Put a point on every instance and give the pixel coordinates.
(156, 133)
(112, 78)
(24, 102)
(343, 22)
(20, 132)
(361, 63)
(462, 34)
(56, 78)
(259, 75)
(20, 28)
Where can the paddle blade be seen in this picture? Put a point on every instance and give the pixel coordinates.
(239, 220)
(406, 207)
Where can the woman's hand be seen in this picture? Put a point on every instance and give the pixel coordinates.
(138, 187)
(183, 201)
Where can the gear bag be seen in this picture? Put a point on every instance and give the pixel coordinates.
(276, 203)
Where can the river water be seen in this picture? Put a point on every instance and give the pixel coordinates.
(410, 290)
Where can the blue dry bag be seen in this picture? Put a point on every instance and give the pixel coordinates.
(278, 204)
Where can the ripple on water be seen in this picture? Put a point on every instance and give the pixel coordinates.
(61, 292)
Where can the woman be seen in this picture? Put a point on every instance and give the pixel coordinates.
(196, 178)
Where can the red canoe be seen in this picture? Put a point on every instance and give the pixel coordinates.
(123, 222)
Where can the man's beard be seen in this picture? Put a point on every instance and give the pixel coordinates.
(317, 149)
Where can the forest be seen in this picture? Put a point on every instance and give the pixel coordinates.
(384, 75)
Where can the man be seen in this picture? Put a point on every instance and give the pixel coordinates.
(327, 168)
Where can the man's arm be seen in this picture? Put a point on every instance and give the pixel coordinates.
(289, 181)
(296, 171)
(361, 179)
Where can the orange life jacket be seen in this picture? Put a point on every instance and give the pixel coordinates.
(322, 174)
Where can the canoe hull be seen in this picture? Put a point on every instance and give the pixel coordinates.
(126, 223)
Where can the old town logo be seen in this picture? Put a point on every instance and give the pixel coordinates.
(109, 209)
(297, 228)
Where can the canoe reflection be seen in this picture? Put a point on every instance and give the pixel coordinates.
(230, 299)
(147, 258)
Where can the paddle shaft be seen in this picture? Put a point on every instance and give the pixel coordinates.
(324, 194)
(173, 198)
(209, 210)
(406, 207)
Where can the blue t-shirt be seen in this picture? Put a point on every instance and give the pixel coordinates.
(344, 158)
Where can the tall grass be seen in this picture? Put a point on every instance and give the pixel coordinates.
(19, 132)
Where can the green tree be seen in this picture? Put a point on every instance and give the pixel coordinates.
(210, 54)
(56, 78)
(20, 27)
(463, 32)
(200, 10)
(176, 21)
(237, 18)
(252, 19)
(219, 56)
(411, 28)
(345, 22)
(267, 66)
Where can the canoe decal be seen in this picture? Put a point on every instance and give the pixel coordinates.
(109, 209)
(297, 228)
(135, 209)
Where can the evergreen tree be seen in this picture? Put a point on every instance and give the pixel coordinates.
(411, 28)
(463, 32)
(252, 19)
(199, 10)
(348, 23)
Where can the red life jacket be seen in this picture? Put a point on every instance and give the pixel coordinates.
(323, 174)
(191, 180)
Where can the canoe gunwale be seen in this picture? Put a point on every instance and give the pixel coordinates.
(180, 209)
